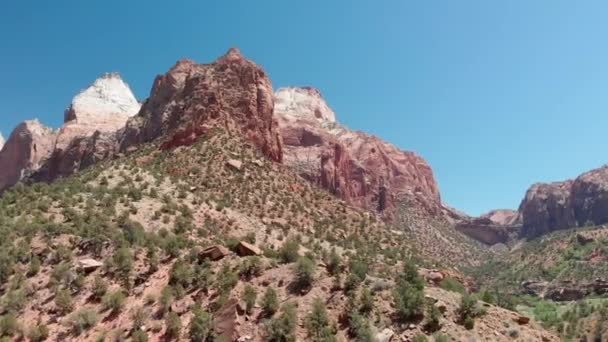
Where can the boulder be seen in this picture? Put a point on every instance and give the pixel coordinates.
(564, 294)
(435, 277)
(385, 335)
(89, 265)
(235, 164)
(214, 253)
(521, 320)
(247, 249)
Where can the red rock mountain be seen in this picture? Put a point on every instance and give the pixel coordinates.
(358, 167)
(87, 135)
(191, 98)
(560, 205)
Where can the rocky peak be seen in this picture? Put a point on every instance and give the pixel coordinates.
(1, 141)
(106, 103)
(29, 145)
(190, 98)
(358, 167)
(302, 103)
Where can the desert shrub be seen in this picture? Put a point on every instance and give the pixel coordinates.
(64, 301)
(303, 272)
(167, 297)
(114, 301)
(367, 301)
(282, 328)
(408, 300)
(468, 310)
(249, 296)
(359, 328)
(270, 301)
(250, 267)
(438, 337)
(173, 326)
(201, 325)
(9, 326)
(34, 267)
(469, 323)
(351, 283)
(288, 252)
(100, 287)
(139, 336)
(318, 325)
(420, 338)
(452, 284)
(83, 320)
(180, 274)
(38, 333)
(333, 262)
(433, 315)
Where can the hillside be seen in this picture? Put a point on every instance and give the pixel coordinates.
(120, 250)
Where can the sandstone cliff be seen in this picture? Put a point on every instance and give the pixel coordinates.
(358, 167)
(191, 98)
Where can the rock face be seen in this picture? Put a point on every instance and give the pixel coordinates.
(190, 99)
(1, 141)
(561, 205)
(546, 207)
(360, 168)
(27, 148)
(87, 136)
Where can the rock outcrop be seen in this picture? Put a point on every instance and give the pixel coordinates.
(1, 141)
(27, 148)
(573, 203)
(88, 135)
(191, 98)
(360, 168)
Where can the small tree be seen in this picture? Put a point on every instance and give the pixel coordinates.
(318, 325)
(249, 296)
(289, 251)
(174, 326)
(367, 301)
(282, 328)
(409, 301)
(63, 301)
(201, 325)
(114, 301)
(333, 263)
(433, 316)
(304, 272)
(270, 302)
(100, 287)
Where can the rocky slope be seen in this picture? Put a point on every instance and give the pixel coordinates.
(358, 167)
(87, 135)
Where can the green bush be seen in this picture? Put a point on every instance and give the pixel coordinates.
(100, 287)
(303, 272)
(173, 326)
(359, 328)
(201, 325)
(114, 301)
(469, 323)
(333, 263)
(433, 316)
(63, 301)
(288, 253)
(318, 325)
(367, 301)
(83, 320)
(420, 338)
(452, 284)
(283, 327)
(408, 300)
(270, 302)
(139, 336)
(9, 326)
(38, 333)
(249, 296)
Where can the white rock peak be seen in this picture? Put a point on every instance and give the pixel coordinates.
(1, 141)
(109, 98)
(304, 103)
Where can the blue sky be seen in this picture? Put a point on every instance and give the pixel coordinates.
(495, 95)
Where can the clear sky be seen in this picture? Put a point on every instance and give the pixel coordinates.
(495, 95)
